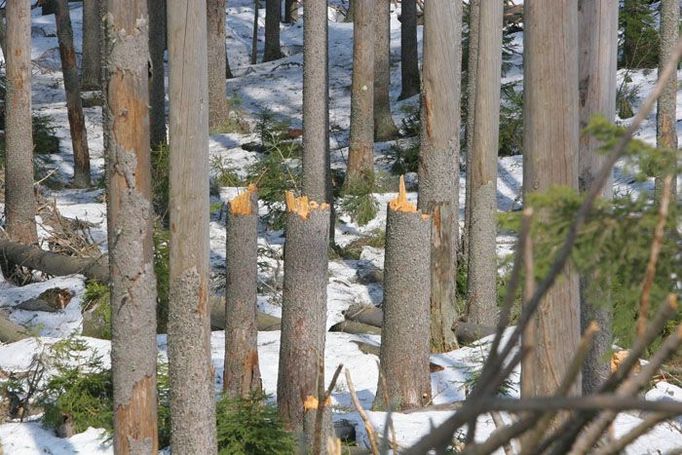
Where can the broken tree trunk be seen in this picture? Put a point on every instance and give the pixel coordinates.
(404, 380)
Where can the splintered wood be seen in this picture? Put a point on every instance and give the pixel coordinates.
(241, 205)
(401, 204)
(302, 206)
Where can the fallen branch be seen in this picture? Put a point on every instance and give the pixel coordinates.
(371, 434)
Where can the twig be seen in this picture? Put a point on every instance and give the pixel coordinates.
(389, 420)
(646, 425)
(499, 423)
(322, 402)
(371, 434)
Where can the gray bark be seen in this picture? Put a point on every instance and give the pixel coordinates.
(472, 66)
(404, 355)
(439, 159)
(129, 222)
(189, 332)
(91, 70)
(384, 126)
(273, 16)
(11, 332)
(254, 34)
(157, 82)
(218, 111)
(290, 11)
(409, 57)
(20, 211)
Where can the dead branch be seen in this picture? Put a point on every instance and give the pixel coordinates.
(371, 433)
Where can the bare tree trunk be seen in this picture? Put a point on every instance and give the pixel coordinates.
(157, 82)
(218, 110)
(241, 372)
(551, 142)
(3, 34)
(79, 138)
(472, 67)
(189, 333)
(598, 22)
(439, 159)
(384, 126)
(361, 149)
(20, 208)
(290, 11)
(481, 292)
(129, 221)
(273, 16)
(91, 69)
(254, 35)
(409, 57)
(404, 378)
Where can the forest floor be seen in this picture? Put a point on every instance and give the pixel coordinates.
(276, 87)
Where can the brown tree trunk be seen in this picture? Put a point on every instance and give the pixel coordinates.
(598, 22)
(409, 57)
(192, 401)
(218, 111)
(91, 69)
(290, 11)
(404, 378)
(273, 16)
(20, 221)
(361, 149)
(439, 159)
(79, 138)
(241, 373)
(157, 82)
(254, 35)
(384, 126)
(129, 222)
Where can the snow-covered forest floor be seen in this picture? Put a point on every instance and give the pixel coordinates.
(275, 86)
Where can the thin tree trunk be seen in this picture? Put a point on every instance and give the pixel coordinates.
(290, 11)
(254, 35)
(91, 69)
(79, 138)
(481, 292)
(384, 126)
(192, 400)
(361, 149)
(598, 22)
(439, 159)
(404, 378)
(157, 81)
(129, 221)
(472, 67)
(409, 57)
(3, 34)
(20, 210)
(273, 16)
(241, 372)
(218, 111)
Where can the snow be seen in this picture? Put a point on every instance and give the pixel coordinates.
(276, 86)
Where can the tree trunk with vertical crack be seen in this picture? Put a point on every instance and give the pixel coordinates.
(384, 126)
(409, 57)
(192, 400)
(439, 159)
(157, 80)
(91, 69)
(472, 50)
(273, 16)
(218, 111)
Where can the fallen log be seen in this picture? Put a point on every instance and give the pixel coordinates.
(265, 322)
(468, 332)
(11, 331)
(356, 328)
(365, 314)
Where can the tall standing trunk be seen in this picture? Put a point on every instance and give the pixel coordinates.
(439, 159)
(290, 11)
(598, 22)
(254, 34)
(361, 149)
(273, 16)
(241, 372)
(384, 126)
(79, 138)
(192, 402)
(129, 224)
(3, 34)
(409, 57)
(218, 111)
(157, 80)
(91, 66)
(551, 143)
(20, 210)
(472, 67)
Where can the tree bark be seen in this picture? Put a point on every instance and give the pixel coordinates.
(384, 126)
(129, 220)
(290, 11)
(192, 400)
(361, 149)
(551, 143)
(218, 111)
(273, 16)
(254, 35)
(598, 22)
(439, 159)
(91, 69)
(404, 378)
(11, 332)
(79, 138)
(472, 67)
(481, 291)
(409, 56)
(241, 372)
(157, 80)
(19, 199)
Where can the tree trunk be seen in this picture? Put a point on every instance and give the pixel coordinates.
(598, 22)
(11, 332)
(254, 35)
(192, 401)
(404, 378)
(157, 82)
(439, 159)
(384, 126)
(20, 211)
(241, 373)
(481, 292)
(3, 34)
(218, 111)
(273, 16)
(551, 142)
(129, 221)
(472, 67)
(409, 57)
(290, 11)
(304, 310)
(79, 138)
(91, 70)
(361, 149)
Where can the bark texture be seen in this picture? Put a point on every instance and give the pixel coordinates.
(218, 111)
(409, 56)
(189, 349)
(472, 67)
(273, 16)
(361, 149)
(254, 34)
(384, 126)
(19, 199)
(290, 11)
(91, 69)
(481, 292)
(157, 79)
(79, 139)
(551, 141)
(598, 23)
(439, 159)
